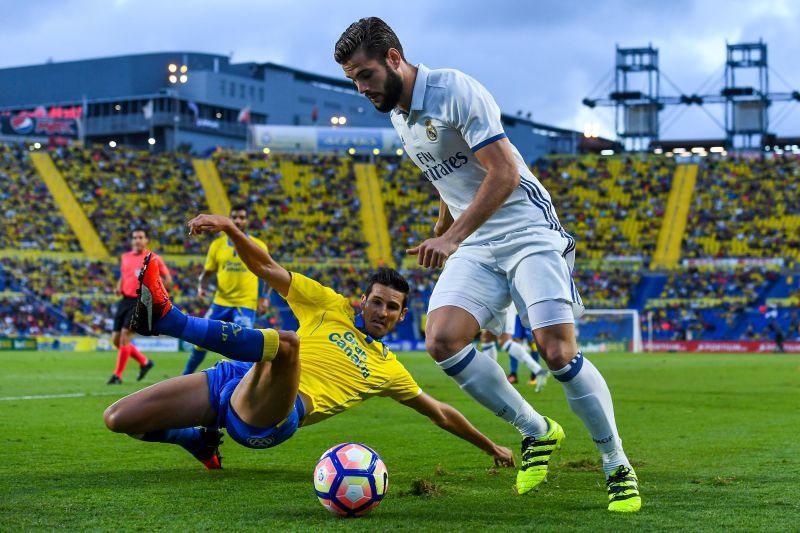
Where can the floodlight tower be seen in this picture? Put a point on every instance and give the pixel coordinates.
(637, 85)
(746, 117)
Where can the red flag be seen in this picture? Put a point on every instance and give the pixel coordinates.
(244, 115)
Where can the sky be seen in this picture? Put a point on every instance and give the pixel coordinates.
(538, 57)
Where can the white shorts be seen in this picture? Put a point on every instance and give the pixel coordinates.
(511, 320)
(523, 268)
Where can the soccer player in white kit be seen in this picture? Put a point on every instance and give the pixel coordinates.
(503, 243)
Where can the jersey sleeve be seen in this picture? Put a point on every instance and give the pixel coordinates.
(162, 266)
(475, 113)
(402, 387)
(307, 298)
(211, 257)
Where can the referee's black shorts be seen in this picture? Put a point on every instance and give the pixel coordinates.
(125, 307)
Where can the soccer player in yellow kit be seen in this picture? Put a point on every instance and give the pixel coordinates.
(280, 380)
(240, 294)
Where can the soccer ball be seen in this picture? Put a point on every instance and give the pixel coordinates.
(350, 479)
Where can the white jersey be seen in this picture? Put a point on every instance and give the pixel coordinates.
(451, 117)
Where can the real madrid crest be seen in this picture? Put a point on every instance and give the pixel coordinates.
(430, 131)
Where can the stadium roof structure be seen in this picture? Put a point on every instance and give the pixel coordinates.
(210, 101)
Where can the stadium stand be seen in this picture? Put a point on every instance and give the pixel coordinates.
(80, 292)
(746, 208)
(305, 206)
(709, 304)
(411, 203)
(121, 189)
(31, 221)
(599, 200)
(307, 209)
(606, 288)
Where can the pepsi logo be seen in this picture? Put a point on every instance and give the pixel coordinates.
(22, 125)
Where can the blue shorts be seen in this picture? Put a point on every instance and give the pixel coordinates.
(520, 331)
(242, 316)
(222, 380)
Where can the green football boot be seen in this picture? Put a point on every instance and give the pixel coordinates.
(623, 491)
(536, 452)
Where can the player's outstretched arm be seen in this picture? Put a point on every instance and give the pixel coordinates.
(257, 259)
(449, 418)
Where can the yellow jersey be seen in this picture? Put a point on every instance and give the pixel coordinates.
(340, 366)
(236, 286)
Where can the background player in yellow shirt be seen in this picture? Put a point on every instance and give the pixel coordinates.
(240, 294)
(281, 380)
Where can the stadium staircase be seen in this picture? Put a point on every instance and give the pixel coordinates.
(373, 215)
(668, 249)
(649, 287)
(88, 237)
(217, 197)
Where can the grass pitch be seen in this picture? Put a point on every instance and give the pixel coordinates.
(714, 439)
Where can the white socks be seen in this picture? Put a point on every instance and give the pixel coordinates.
(517, 351)
(590, 399)
(486, 382)
(490, 349)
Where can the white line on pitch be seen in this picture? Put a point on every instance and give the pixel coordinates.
(55, 396)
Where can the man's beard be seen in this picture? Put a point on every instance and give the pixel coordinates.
(392, 90)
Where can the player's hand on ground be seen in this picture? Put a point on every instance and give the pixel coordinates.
(208, 224)
(503, 457)
(434, 252)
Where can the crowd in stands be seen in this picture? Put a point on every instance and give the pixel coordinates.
(411, 204)
(613, 207)
(121, 189)
(607, 288)
(745, 208)
(78, 295)
(81, 294)
(304, 206)
(31, 220)
(709, 304)
(20, 315)
(695, 283)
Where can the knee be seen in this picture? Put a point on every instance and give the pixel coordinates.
(486, 336)
(442, 346)
(556, 354)
(289, 344)
(114, 418)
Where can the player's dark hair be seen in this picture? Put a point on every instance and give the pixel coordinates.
(372, 35)
(240, 207)
(140, 228)
(391, 278)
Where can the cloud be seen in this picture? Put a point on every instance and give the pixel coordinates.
(542, 56)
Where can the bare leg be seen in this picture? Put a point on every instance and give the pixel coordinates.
(175, 403)
(557, 344)
(267, 393)
(125, 337)
(449, 329)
